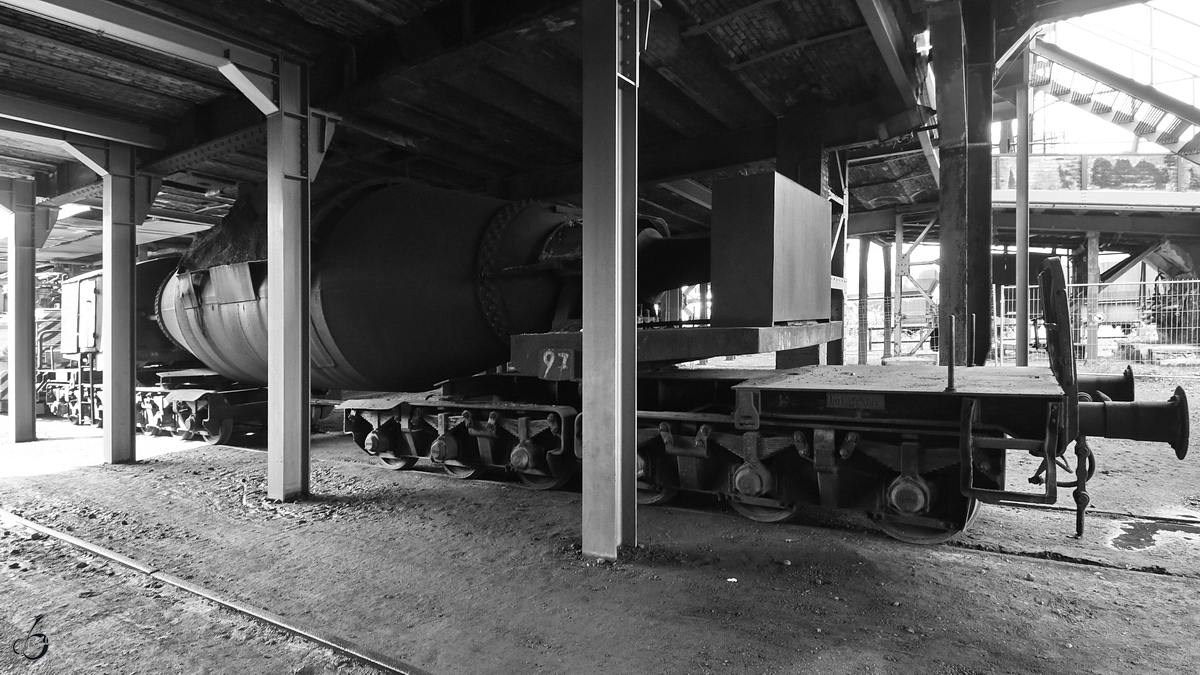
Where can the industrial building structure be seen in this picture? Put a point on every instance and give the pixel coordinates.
(155, 112)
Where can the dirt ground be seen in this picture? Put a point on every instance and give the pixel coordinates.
(486, 577)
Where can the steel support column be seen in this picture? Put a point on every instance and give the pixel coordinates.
(946, 35)
(289, 284)
(864, 335)
(17, 197)
(980, 39)
(1093, 295)
(124, 209)
(611, 50)
(900, 269)
(1022, 216)
(887, 300)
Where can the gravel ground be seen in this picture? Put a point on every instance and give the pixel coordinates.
(486, 576)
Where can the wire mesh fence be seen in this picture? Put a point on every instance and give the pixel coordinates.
(1154, 322)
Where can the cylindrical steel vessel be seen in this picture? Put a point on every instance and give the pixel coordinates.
(411, 285)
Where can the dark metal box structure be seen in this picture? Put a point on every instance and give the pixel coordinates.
(770, 252)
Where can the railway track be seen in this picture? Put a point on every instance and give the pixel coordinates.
(337, 644)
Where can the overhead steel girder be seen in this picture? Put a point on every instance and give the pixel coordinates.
(249, 68)
(886, 30)
(44, 122)
(1128, 85)
(138, 26)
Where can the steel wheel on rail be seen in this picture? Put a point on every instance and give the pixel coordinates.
(649, 494)
(538, 482)
(461, 471)
(397, 463)
(216, 432)
(920, 534)
(763, 513)
(561, 467)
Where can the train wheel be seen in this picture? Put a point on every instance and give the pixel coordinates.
(216, 433)
(397, 463)
(655, 494)
(920, 534)
(182, 434)
(537, 482)
(459, 471)
(763, 513)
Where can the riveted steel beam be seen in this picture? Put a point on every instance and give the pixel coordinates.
(881, 19)
(138, 26)
(288, 235)
(40, 121)
(17, 197)
(612, 43)
(127, 198)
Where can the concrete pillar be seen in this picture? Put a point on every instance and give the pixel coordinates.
(980, 37)
(864, 334)
(947, 38)
(611, 51)
(17, 197)
(289, 285)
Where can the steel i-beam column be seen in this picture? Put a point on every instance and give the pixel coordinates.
(946, 35)
(864, 335)
(898, 289)
(887, 300)
(980, 35)
(610, 99)
(1022, 215)
(288, 232)
(17, 196)
(1093, 295)
(122, 214)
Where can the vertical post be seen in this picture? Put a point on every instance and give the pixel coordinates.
(610, 98)
(1022, 289)
(1093, 293)
(898, 304)
(289, 285)
(864, 335)
(887, 301)
(117, 299)
(800, 156)
(17, 196)
(835, 354)
(980, 40)
(946, 35)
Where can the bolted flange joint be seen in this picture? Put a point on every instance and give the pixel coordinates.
(753, 480)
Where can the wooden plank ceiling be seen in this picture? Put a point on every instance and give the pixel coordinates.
(477, 96)
(484, 97)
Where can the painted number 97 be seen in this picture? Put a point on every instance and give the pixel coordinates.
(559, 364)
